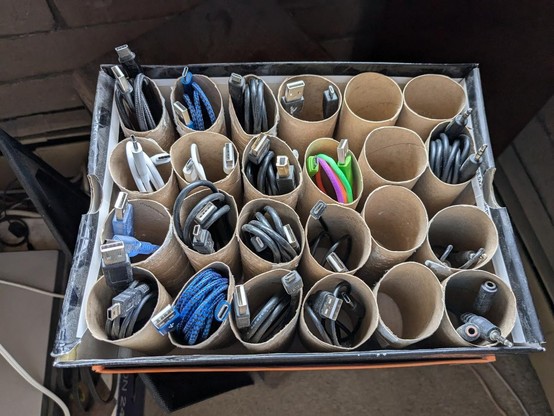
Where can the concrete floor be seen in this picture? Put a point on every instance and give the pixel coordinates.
(444, 390)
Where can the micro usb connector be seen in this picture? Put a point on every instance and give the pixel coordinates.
(285, 175)
(126, 301)
(116, 265)
(292, 282)
(293, 100)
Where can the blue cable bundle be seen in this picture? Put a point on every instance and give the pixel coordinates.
(203, 300)
(196, 101)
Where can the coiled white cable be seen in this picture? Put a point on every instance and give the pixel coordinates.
(146, 176)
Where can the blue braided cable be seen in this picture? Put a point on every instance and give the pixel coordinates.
(195, 104)
(199, 304)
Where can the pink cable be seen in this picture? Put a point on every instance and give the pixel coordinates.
(334, 180)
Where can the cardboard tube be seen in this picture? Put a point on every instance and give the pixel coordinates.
(299, 131)
(223, 335)
(398, 224)
(460, 291)
(411, 305)
(341, 221)
(434, 193)
(258, 291)
(252, 263)
(311, 193)
(371, 100)
(241, 137)
(281, 149)
(152, 223)
(465, 227)
(228, 254)
(214, 96)
(163, 133)
(122, 177)
(362, 293)
(392, 156)
(210, 148)
(428, 100)
(146, 340)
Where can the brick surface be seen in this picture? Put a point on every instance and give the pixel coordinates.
(88, 12)
(38, 96)
(63, 50)
(24, 16)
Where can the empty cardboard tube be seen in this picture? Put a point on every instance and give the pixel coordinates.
(223, 335)
(392, 156)
(258, 291)
(312, 193)
(210, 149)
(299, 131)
(428, 100)
(228, 254)
(281, 149)
(371, 100)
(146, 340)
(411, 305)
(341, 221)
(362, 292)
(214, 97)
(152, 223)
(434, 193)
(466, 227)
(398, 223)
(122, 177)
(241, 137)
(252, 263)
(163, 133)
(460, 291)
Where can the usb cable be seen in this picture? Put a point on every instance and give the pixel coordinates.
(144, 172)
(331, 259)
(249, 103)
(206, 228)
(271, 240)
(293, 99)
(196, 102)
(273, 315)
(130, 310)
(269, 174)
(191, 317)
(333, 327)
(116, 265)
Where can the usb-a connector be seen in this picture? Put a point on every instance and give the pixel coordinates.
(293, 100)
(116, 265)
(165, 320)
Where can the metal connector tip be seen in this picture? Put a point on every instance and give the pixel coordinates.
(318, 209)
(124, 52)
(467, 113)
(294, 91)
(342, 151)
(121, 205)
(336, 263)
(113, 252)
(259, 149)
(236, 79)
(229, 160)
(282, 165)
(495, 336)
(480, 152)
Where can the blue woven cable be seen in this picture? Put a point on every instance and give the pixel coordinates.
(195, 104)
(199, 305)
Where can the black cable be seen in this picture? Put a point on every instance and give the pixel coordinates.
(344, 316)
(447, 156)
(275, 245)
(249, 103)
(334, 245)
(212, 231)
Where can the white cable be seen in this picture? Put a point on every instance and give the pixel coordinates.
(196, 160)
(31, 289)
(141, 165)
(154, 175)
(133, 168)
(17, 367)
(142, 168)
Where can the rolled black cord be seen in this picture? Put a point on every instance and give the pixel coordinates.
(446, 156)
(255, 112)
(333, 247)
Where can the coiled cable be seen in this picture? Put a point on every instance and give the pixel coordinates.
(249, 103)
(197, 103)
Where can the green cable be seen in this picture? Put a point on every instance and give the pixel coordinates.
(340, 174)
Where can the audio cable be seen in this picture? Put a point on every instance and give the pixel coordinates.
(266, 235)
(198, 309)
(338, 173)
(137, 101)
(206, 228)
(324, 309)
(143, 168)
(201, 115)
(268, 173)
(465, 259)
(273, 315)
(249, 103)
(324, 243)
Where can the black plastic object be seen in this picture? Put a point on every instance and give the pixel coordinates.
(60, 203)
(173, 391)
